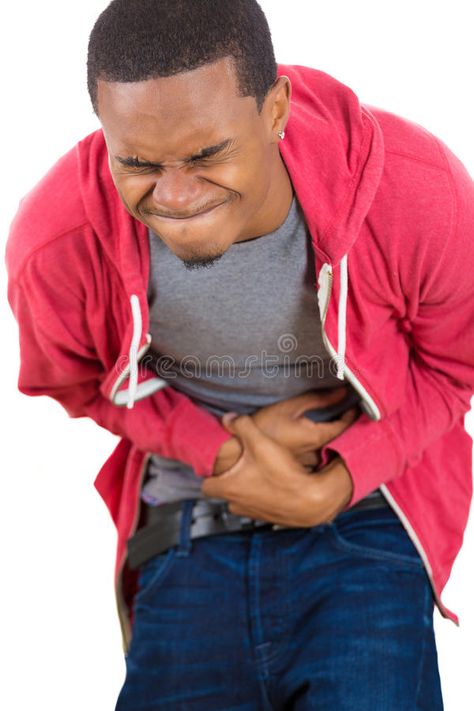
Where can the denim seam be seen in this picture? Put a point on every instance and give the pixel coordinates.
(185, 541)
(426, 631)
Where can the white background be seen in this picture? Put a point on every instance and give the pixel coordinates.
(60, 635)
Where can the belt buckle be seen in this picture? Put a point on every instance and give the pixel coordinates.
(233, 521)
(246, 523)
(230, 520)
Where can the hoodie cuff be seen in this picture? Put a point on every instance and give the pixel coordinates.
(195, 437)
(370, 454)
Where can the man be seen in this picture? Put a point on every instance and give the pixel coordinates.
(230, 206)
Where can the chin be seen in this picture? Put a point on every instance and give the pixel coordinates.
(195, 257)
(200, 262)
(200, 245)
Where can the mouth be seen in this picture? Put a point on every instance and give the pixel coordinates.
(195, 216)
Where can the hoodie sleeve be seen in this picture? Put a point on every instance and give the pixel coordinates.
(58, 358)
(440, 380)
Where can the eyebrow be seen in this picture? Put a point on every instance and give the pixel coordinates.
(133, 162)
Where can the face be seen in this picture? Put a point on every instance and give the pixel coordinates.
(194, 161)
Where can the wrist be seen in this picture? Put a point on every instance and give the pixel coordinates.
(332, 488)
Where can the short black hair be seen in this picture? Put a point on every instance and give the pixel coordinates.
(135, 40)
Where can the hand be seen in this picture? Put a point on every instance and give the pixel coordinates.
(285, 423)
(268, 483)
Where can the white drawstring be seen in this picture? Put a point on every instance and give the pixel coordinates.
(133, 353)
(341, 319)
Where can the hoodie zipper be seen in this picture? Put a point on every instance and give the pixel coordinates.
(120, 602)
(324, 297)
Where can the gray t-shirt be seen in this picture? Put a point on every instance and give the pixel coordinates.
(239, 335)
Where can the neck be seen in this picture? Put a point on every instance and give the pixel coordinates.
(276, 206)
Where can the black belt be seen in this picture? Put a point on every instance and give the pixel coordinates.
(162, 525)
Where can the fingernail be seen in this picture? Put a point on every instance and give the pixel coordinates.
(230, 416)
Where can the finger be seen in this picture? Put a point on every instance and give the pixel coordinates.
(215, 486)
(249, 512)
(241, 510)
(224, 485)
(247, 431)
(315, 400)
(324, 432)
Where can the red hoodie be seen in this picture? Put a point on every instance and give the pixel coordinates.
(390, 210)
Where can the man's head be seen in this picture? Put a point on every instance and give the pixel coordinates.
(190, 105)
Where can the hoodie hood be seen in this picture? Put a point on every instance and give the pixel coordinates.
(334, 153)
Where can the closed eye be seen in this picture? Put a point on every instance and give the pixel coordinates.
(136, 163)
(202, 157)
(139, 166)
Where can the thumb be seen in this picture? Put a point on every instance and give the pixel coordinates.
(244, 428)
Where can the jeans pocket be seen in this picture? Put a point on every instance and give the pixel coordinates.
(152, 574)
(377, 534)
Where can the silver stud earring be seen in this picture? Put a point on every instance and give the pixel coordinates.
(281, 134)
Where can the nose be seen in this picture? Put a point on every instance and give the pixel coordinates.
(177, 193)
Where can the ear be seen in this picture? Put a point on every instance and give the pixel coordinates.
(278, 100)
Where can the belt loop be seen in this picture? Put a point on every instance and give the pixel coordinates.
(184, 544)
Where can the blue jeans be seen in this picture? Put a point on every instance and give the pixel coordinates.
(337, 617)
